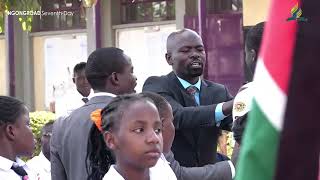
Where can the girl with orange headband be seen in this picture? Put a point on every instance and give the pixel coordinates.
(125, 140)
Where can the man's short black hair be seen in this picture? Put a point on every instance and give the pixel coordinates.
(79, 67)
(254, 37)
(10, 109)
(173, 35)
(102, 63)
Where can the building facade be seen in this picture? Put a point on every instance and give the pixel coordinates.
(37, 66)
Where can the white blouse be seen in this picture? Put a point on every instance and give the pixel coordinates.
(161, 171)
(6, 173)
(41, 165)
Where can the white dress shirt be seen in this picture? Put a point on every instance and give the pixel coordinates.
(112, 174)
(6, 173)
(69, 102)
(102, 94)
(161, 171)
(41, 165)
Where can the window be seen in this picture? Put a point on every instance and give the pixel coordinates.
(61, 15)
(148, 51)
(61, 54)
(220, 6)
(134, 11)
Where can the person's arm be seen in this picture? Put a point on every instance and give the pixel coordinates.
(227, 107)
(57, 168)
(223, 115)
(184, 117)
(218, 171)
(190, 117)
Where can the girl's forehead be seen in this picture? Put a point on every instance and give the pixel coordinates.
(140, 104)
(140, 110)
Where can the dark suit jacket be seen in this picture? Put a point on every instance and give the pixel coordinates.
(69, 141)
(218, 171)
(195, 142)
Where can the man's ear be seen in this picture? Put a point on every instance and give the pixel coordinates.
(10, 132)
(110, 140)
(114, 78)
(169, 59)
(73, 80)
(253, 56)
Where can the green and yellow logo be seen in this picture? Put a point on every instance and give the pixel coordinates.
(296, 14)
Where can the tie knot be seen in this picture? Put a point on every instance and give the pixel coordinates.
(192, 90)
(20, 171)
(85, 99)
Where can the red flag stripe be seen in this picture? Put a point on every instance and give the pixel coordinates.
(278, 42)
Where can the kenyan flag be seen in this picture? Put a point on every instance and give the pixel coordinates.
(282, 138)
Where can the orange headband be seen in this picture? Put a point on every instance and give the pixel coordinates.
(97, 119)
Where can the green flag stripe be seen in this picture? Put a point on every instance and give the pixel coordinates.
(259, 149)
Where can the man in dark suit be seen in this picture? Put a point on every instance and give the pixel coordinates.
(109, 72)
(200, 107)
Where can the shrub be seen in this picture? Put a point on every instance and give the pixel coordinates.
(37, 120)
(226, 143)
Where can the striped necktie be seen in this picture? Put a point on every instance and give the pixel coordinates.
(192, 91)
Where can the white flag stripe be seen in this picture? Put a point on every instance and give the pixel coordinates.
(271, 99)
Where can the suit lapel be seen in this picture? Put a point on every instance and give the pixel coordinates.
(185, 99)
(205, 95)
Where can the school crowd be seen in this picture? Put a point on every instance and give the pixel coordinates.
(167, 132)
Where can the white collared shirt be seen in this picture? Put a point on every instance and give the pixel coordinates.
(219, 116)
(102, 94)
(112, 174)
(41, 165)
(69, 102)
(6, 173)
(161, 171)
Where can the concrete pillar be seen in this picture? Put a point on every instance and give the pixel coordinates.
(94, 20)
(10, 60)
(91, 29)
(107, 33)
(23, 65)
(180, 6)
(39, 72)
(4, 68)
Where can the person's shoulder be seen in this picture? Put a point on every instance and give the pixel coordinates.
(157, 83)
(156, 79)
(214, 84)
(59, 121)
(63, 122)
(58, 129)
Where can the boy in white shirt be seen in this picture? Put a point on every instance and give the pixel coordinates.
(41, 163)
(16, 140)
